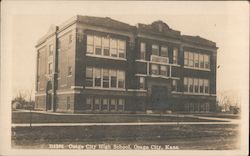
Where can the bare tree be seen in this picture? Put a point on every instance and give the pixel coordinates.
(228, 100)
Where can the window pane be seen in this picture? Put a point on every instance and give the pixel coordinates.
(90, 49)
(155, 50)
(201, 85)
(206, 86)
(97, 105)
(105, 78)
(196, 86)
(121, 44)
(89, 103)
(191, 59)
(121, 53)
(121, 79)
(186, 58)
(185, 84)
(207, 62)
(201, 59)
(89, 77)
(174, 85)
(196, 60)
(113, 78)
(112, 104)
(142, 83)
(105, 42)
(90, 39)
(105, 103)
(98, 45)
(143, 50)
(154, 69)
(97, 75)
(164, 51)
(122, 48)
(164, 70)
(113, 46)
(121, 103)
(98, 41)
(190, 83)
(175, 56)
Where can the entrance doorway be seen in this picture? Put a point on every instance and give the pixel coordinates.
(159, 97)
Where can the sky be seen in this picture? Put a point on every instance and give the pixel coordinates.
(225, 23)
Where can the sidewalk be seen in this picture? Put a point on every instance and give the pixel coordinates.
(122, 124)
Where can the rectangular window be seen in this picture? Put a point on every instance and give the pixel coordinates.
(186, 58)
(97, 105)
(98, 45)
(155, 50)
(105, 43)
(191, 85)
(143, 51)
(105, 81)
(113, 103)
(201, 84)
(97, 77)
(113, 47)
(201, 59)
(105, 103)
(51, 49)
(185, 84)
(90, 44)
(163, 70)
(121, 79)
(121, 48)
(68, 102)
(113, 78)
(174, 85)
(154, 69)
(175, 56)
(196, 85)
(89, 103)
(69, 70)
(164, 51)
(50, 68)
(142, 83)
(120, 106)
(89, 77)
(196, 60)
(206, 61)
(191, 59)
(206, 86)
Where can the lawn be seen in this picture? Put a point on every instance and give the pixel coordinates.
(25, 117)
(185, 136)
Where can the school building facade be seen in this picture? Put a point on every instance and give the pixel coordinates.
(100, 65)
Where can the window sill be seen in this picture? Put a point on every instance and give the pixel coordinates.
(137, 90)
(195, 68)
(204, 94)
(197, 94)
(99, 88)
(160, 76)
(107, 57)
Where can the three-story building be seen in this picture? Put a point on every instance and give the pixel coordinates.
(94, 64)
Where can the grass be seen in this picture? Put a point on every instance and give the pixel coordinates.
(186, 136)
(24, 117)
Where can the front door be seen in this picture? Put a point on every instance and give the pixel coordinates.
(159, 97)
